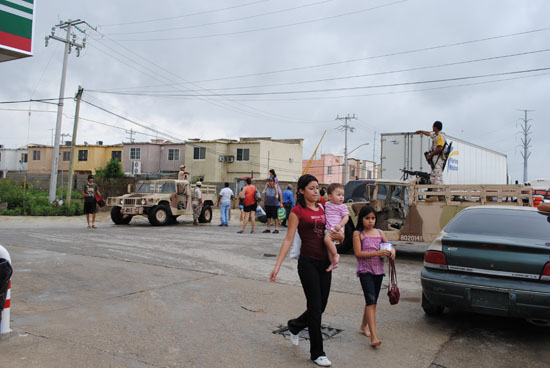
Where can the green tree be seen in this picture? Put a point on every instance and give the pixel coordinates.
(113, 170)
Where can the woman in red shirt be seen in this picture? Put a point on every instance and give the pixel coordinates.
(309, 219)
(249, 205)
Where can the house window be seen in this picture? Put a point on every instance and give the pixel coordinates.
(135, 153)
(0, 156)
(173, 154)
(199, 153)
(66, 155)
(352, 173)
(329, 170)
(243, 154)
(24, 157)
(82, 155)
(116, 155)
(36, 155)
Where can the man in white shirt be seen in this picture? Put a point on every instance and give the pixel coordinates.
(224, 203)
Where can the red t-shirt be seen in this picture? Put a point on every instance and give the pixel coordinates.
(249, 192)
(311, 229)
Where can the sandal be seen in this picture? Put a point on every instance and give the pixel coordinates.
(252, 232)
(94, 227)
(239, 232)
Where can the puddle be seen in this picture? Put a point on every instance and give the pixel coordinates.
(327, 331)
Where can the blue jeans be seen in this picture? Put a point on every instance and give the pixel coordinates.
(224, 212)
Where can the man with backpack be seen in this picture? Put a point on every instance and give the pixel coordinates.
(436, 157)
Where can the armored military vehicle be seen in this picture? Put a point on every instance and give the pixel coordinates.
(161, 201)
(410, 212)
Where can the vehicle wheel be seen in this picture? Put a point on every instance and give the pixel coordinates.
(118, 218)
(206, 215)
(347, 245)
(159, 216)
(431, 309)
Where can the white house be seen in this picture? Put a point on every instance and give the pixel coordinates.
(12, 159)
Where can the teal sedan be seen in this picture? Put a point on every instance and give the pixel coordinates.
(491, 260)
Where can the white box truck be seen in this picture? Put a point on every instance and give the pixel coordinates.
(467, 164)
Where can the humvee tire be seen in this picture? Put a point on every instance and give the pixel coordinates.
(118, 218)
(206, 215)
(347, 245)
(159, 215)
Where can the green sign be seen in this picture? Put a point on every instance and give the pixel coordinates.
(16, 28)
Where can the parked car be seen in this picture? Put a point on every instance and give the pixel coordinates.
(491, 260)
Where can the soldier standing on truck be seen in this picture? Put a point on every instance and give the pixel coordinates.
(182, 174)
(435, 156)
(196, 201)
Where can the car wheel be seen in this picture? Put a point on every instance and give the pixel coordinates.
(431, 309)
(118, 218)
(347, 245)
(206, 215)
(159, 216)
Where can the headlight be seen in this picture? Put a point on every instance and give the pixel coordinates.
(122, 201)
(143, 201)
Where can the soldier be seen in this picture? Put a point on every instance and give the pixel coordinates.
(182, 174)
(196, 201)
(434, 157)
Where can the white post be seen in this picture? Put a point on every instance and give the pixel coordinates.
(5, 323)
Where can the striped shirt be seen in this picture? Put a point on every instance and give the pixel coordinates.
(335, 213)
(373, 265)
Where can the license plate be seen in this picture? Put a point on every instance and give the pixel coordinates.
(490, 299)
(129, 210)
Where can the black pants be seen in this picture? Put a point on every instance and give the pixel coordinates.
(288, 208)
(316, 283)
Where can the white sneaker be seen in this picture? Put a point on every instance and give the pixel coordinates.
(294, 339)
(322, 361)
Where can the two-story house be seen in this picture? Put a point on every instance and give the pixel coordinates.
(328, 169)
(88, 158)
(227, 160)
(157, 156)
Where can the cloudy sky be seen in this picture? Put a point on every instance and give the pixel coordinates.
(287, 68)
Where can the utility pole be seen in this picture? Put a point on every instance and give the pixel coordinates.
(345, 128)
(69, 44)
(526, 143)
(373, 155)
(73, 143)
(131, 132)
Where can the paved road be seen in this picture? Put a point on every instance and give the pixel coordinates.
(180, 296)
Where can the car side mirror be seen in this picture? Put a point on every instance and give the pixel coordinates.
(129, 189)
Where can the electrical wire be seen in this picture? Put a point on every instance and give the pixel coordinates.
(43, 100)
(359, 75)
(224, 21)
(185, 15)
(266, 28)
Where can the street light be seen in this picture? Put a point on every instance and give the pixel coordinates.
(346, 162)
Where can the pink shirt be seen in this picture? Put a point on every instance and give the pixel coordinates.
(373, 265)
(335, 213)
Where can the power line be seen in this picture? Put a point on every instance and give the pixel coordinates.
(429, 48)
(185, 15)
(266, 28)
(43, 100)
(344, 88)
(352, 76)
(224, 21)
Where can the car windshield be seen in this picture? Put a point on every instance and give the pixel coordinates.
(502, 223)
(144, 188)
(168, 187)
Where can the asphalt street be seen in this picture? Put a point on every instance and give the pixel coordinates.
(184, 296)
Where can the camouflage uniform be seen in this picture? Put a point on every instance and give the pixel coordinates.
(197, 195)
(436, 175)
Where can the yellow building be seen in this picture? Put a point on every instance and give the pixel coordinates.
(225, 160)
(88, 158)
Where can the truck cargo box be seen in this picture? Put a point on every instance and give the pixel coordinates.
(467, 164)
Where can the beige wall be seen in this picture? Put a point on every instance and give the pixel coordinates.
(98, 156)
(263, 155)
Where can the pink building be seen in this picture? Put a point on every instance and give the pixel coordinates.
(329, 169)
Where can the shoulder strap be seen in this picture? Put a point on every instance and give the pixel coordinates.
(380, 232)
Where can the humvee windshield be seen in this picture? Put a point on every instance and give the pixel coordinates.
(169, 187)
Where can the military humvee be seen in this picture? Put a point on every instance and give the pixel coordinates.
(161, 201)
(409, 212)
